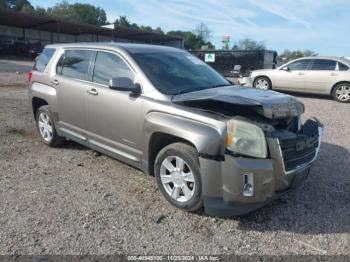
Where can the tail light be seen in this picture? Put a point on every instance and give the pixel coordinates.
(30, 75)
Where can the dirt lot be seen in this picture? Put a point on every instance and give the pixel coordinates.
(70, 200)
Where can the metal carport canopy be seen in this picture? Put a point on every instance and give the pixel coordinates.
(49, 24)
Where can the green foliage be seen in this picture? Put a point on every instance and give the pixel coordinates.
(16, 5)
(249, 44)
(194, 40)
(40, 11)
(83, 13)
(291, 55)
(125, 22)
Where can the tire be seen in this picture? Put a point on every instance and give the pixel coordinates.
(46, 127)
(341, 93)
(263, 83)
(188, 194)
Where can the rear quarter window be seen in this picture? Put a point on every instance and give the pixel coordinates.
(343, 67)
(43, 59)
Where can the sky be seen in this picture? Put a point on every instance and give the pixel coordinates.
(322, 26)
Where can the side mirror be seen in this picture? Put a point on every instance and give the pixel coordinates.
(124, 84)
(286, 68)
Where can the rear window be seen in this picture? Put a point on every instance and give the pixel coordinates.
(323, 64)
(343, 67)
(75, 64)
(43, 59)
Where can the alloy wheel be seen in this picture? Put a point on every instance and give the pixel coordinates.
(45, 127)
(177, 178)
(262, 84)
(343, 93)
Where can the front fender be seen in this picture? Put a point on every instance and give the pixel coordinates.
(208, 139)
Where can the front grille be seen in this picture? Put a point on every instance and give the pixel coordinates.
(298, 151)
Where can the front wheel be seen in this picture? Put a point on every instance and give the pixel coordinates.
(178, 176)
(341, 93)
(262, 83)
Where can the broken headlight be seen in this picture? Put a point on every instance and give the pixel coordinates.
(246, 139)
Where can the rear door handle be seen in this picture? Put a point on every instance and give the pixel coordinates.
(301, 74)
(93, 92)
(334, 74)
(55, 82)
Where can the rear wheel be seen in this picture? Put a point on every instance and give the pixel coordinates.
(341, 93)
(178, 176)
(262, 83)
(47, 128)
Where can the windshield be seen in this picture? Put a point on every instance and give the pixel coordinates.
(178, 72)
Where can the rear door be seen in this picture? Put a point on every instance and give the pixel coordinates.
(71, 80)
(292, 79)
(321, 77)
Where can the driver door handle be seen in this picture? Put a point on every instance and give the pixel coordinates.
(301, 74)
(93, 92)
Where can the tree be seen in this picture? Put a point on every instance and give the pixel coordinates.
(40, 11)
(123, 21)
(203, 32)
(16, 5)
(192, 41)
(291, 55)
(27, 9)
(249, 44)
(158, 30)
(83, 13)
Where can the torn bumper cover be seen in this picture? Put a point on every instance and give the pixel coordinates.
(240, 185)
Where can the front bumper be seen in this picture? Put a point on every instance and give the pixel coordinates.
(246, 81)
(223, 182)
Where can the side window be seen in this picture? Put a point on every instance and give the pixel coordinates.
(43, 59)
(323, 64)
(343, 67)
(108, 66)
(299, 65)
(75, 64)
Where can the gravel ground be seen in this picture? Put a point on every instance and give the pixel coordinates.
(70, 200)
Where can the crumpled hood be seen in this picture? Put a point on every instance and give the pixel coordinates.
(269, 104)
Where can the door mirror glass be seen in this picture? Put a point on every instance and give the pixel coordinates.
(124, 84)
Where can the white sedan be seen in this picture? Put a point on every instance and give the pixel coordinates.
(320, 75)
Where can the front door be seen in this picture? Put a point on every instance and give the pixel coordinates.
(293, 78)
(114, 117)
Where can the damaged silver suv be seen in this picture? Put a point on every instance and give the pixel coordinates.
(209, 143)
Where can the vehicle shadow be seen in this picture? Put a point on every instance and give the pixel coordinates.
(70, 144)
(321, 206)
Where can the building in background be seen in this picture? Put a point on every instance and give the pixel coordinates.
(26, 34)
